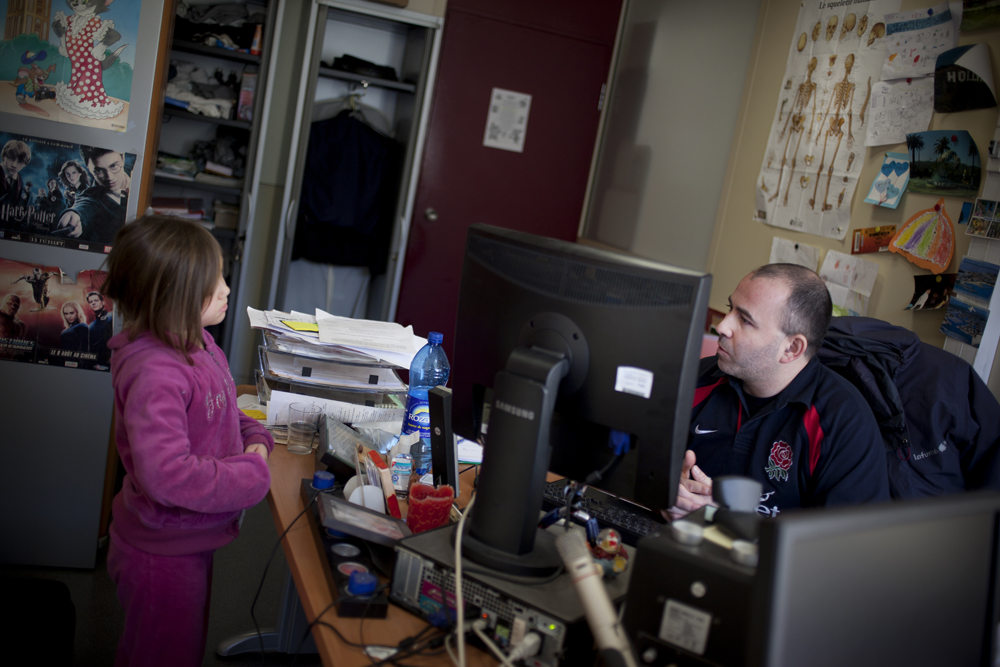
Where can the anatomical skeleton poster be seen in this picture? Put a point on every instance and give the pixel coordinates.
(816, 147)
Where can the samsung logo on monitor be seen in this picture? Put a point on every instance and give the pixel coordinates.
(514, 410)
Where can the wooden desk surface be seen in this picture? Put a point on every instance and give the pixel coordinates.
(305, 560)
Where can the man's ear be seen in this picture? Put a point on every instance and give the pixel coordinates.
(795, 348)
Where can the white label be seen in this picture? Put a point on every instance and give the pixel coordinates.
(685, 626)
(635, 381)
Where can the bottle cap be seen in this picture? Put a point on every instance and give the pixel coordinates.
(435, 337)
(362, 583)
(323, 480)
(417, 449)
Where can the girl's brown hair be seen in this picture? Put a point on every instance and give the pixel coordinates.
(161, 271)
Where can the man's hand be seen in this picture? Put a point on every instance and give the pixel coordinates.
(256, 448)
(72, 219)
(695, 490)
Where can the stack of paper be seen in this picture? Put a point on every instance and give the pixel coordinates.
(334, 337)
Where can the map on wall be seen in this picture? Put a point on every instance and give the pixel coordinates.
(816, 147)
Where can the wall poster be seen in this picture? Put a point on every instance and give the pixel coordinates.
(816, 150)
(70, 61)
(46, 318)
(62, 194)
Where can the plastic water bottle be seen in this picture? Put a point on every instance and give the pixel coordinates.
(429, 369)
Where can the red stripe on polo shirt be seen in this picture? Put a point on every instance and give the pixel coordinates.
(701, 393)
(815, 433)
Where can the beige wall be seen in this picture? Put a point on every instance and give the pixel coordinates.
(671, 117)
(739, 244)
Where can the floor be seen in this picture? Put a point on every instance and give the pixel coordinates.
(237, 574)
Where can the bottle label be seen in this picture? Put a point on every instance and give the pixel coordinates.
(418, 417)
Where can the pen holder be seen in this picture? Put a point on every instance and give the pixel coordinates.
(429, 507)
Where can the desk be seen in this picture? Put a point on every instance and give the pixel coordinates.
(307, 566)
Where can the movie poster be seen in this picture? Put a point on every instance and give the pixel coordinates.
(62, 194)
(46, 318)
(70, 61)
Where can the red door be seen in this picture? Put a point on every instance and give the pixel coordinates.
(559, 52)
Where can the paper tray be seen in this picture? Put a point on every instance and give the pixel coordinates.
(305, 371)
(267, 383)
(300, 348)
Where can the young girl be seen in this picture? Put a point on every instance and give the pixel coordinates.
(193, 460)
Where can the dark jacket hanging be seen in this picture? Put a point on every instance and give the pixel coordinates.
(348, 195)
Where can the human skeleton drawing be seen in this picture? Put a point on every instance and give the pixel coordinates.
(796, 117)
(840, 103)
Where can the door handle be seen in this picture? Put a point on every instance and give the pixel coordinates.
(430, 214)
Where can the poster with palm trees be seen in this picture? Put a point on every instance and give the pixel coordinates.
(944, 162)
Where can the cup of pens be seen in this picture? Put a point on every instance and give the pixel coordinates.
(303, 420)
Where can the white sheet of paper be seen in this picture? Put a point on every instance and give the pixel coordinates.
(271, 321)
(899, 108)
(350, 332)
(850, 280)
(349, 413)
(786, 251)
(507, 120)
(469, 451)
(914, 39)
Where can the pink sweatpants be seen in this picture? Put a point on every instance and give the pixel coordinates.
(165, 599)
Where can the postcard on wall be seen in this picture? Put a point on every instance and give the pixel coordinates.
(815, 150)
(872, 239)
(46, 318)
(890, 183)
(931, 292)
(507, 120)
(963, 79)
(965, 322)
(61, 194)
(976, 281)
(945, 163)
(70, 62)
(915, 39)
(786, 251)
(985, 220)
(850, 281)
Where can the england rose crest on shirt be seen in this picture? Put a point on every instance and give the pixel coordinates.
(779, 461)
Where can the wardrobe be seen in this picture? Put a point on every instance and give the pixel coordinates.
(366, 78)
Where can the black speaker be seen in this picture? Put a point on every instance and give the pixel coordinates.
(444, 453)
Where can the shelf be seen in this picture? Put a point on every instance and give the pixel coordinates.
(198, 185)
(181, 113)
(330, 73)
(214, 52)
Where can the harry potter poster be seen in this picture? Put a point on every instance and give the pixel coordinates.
(62, 194)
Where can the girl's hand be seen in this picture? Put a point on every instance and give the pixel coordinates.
(256, 448)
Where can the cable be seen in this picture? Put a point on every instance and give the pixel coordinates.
(459, 600)
(256, 625)
(477, 627)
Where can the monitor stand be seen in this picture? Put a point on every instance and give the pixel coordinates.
(503, 529)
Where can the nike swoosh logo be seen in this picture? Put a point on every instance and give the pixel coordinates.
(700, 431)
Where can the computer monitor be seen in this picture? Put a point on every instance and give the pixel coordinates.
(564, 344)
(906, 583)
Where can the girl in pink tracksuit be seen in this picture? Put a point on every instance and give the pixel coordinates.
(193, 460)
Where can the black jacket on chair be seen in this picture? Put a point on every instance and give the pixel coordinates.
(940, 423)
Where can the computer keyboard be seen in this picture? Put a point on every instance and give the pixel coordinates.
(631, 521)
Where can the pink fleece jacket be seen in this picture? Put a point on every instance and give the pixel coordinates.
(181, 440)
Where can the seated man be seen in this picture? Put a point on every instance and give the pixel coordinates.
(766, 408)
